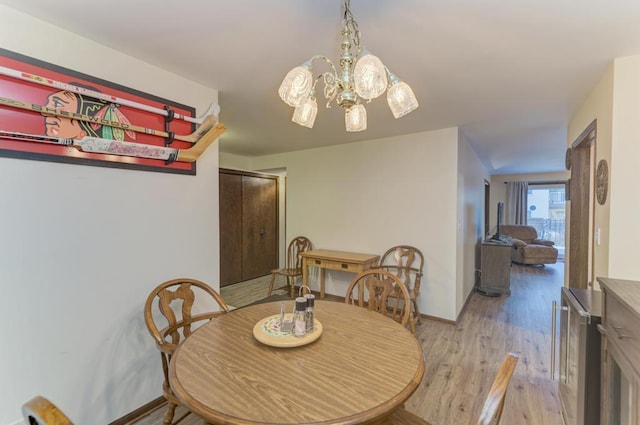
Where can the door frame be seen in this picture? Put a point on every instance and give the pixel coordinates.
(579, 246)
(242, 174)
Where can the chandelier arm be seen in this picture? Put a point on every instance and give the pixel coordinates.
(391, 77)
(327, 60)
(330, 78)
(331, 84)
(312, 92)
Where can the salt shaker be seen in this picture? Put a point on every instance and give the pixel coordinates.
(308, 313)
(299, 323)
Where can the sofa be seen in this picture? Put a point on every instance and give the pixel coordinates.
(527, 248)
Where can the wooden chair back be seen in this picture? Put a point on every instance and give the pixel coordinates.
(407, 263)
(293, 267)
(178, 322)
(40, 411)
(385, 293)
(494, 403)
(491, 410)
(297, 246)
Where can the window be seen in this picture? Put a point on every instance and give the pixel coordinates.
(546, 212)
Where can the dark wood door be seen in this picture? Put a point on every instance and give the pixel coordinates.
(248, 225)
(259, 226)
(230, 228)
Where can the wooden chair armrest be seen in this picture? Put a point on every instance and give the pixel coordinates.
(43, 411)
(494, 403)
(417, 283)
(161, 336)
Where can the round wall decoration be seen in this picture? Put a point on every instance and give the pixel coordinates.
(602, 181)
(567, 159)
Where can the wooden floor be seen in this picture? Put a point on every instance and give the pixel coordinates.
(462, 360)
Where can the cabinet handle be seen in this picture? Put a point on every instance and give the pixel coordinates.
(553, 339)
(345, 266)
(318, 261)
(554, 308)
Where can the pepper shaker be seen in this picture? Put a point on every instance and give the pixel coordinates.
(308, 313)
(299, 323)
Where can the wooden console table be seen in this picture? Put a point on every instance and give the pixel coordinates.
(335, 260)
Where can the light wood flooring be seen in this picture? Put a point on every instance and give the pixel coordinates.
(462, 360)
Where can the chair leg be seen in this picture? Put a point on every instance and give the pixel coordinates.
(412, 324)
(416, 311)
(273, 279)
(415, 315)
(291, 281)
(171, 410)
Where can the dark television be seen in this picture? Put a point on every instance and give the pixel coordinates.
(500, 218)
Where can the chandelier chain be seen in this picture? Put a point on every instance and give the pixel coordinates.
(351, 23)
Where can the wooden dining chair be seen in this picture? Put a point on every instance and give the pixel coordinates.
(293, 267)
(380, 291)
(493, 405)
(178, 324)
(406, 262)
(40, 411)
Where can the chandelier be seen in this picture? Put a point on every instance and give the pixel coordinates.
(362, 77)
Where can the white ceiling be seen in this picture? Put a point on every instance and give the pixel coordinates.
(508, 73)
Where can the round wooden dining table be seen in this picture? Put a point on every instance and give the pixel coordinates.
(361, 368)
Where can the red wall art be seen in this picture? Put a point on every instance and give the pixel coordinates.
(50, 113)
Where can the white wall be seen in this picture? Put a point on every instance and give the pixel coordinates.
(471, 177)
(236, 162)
(369, 196)
(615, 103)
(624, 172)
(597, 106)
(83, 246)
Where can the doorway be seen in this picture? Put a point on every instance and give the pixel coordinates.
(248, 225)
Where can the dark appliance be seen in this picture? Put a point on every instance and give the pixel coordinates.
(579, 358)
(499, 219)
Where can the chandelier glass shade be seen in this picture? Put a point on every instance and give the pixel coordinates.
(305, 113)
(296, 85)
(362, 76)
(401, 99)
(369, 77)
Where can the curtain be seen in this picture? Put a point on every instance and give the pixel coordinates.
(516, 211)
